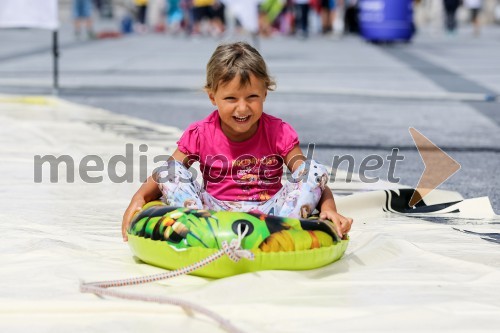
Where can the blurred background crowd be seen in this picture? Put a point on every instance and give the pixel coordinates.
(267, 18)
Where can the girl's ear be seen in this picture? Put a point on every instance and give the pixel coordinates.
(212, 97)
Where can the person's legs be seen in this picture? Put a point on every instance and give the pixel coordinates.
(326, 21)
(179, 189)
(197, 18)
(77, 19)
(82, 15)
(451, 21)
(298, 197)
(475, 20)
(141, 25)
(332, 15)
(219, 18)
(351, 24)
(142, 14)
(87, 17)
(304, 19)
(300, 18)
(300, 194)
(454, 20)
(177, 186)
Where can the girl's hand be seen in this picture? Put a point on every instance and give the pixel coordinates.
(342, 224)
(134, 207)
(147, 192)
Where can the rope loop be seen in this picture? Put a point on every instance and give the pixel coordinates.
(233, 250)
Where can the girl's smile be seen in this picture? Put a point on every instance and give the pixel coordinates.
(241, 119)
(240, 107)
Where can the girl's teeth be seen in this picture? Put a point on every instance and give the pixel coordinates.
(241, 118)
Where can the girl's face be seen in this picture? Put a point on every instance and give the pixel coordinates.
(240, 108)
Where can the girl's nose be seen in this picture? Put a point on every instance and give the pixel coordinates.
(242, 105)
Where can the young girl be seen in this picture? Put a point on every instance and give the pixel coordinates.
(241, 151)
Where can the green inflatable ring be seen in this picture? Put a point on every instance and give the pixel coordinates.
(172, 237)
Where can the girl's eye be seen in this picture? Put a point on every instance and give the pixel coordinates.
(229, 99)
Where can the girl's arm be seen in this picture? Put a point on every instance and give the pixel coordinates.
(328, 211)
(148, 191)
(294, 158)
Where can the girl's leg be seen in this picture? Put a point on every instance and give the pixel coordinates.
(177, 185)
(298, 198)
(301, 192)
(180, 189)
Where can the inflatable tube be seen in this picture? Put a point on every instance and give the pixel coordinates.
(173, 237)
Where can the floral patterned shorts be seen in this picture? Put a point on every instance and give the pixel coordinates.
(297, 198)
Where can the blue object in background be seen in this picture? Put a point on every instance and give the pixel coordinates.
(127, 25)
(386, 20)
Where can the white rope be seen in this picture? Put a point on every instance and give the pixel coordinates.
(233, 250)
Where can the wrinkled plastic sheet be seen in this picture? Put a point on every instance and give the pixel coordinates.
(403, 271)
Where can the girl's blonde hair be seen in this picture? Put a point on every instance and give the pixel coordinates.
(230, 60)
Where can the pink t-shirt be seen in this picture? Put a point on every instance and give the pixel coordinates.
(250, 170)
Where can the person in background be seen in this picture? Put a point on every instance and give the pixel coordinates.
(98, 6)
(141, 8)
(475, 8)
(351, 23)
(187, 16)
(327, 16)
(203, 10)
(219, 20)
(269, 11)
(82, 16)
(174, 16)
(302, 17)
(450, 8)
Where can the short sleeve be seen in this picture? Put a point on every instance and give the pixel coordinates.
(189, 143)
(287, 139)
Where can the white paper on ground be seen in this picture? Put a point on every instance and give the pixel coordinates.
(401, 272)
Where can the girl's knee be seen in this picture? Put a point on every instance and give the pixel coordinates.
(311, 172)
(174, 178)
(173, 172)
(318, 174)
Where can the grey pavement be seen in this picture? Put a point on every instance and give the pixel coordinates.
(343, 94)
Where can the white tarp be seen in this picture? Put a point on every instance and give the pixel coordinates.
(402, 272)
(39, 14)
